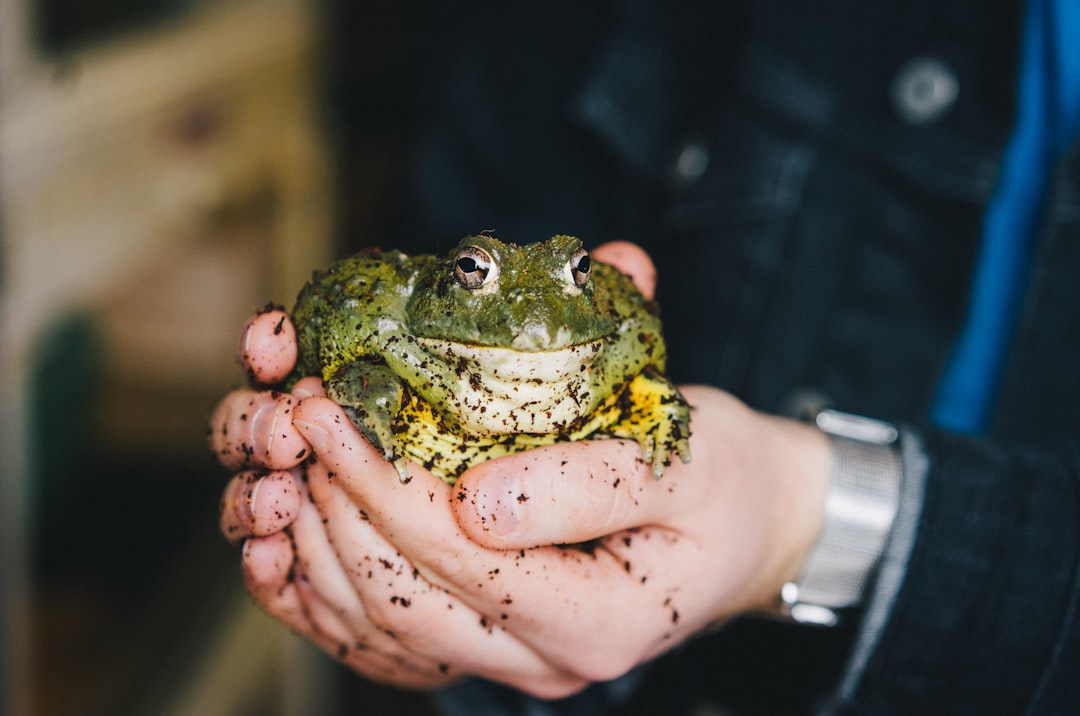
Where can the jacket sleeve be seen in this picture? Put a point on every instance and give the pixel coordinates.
(975, 609)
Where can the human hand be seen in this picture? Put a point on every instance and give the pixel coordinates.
(417, 584)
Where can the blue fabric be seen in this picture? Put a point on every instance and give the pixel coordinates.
(1047, 117)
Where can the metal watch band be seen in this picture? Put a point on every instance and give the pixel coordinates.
(859, 509)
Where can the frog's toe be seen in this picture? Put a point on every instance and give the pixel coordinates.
(381, 439)
(661, 461)
(666, 444)
(658, 468)
(648, 448)
(402, 467)
(679, 442)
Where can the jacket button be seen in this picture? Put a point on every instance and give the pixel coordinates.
(689, 163)
(923, 90)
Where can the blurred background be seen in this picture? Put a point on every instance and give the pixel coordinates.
(166, 167)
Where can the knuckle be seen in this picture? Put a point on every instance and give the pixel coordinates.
(283, 444)
(275, 503)
(392, 615)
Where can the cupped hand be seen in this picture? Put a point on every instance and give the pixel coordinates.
(557, 567)
(545, 570)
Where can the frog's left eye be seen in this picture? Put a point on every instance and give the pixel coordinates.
(474, 267)
(580, 264)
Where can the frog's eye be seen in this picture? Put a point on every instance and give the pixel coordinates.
(474, 267)
(580, 264)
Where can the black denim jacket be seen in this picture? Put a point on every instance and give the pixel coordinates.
(814, 212)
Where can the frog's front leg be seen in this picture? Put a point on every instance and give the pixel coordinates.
(654, 413)
(371, 395)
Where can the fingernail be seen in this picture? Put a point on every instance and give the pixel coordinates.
(252, 551)
(244, 343)
(273, 501)
(315, 434)
(303, 389)
(245, 552)
(254, 556)
(248, 503)
(263, 423)
(498, 503)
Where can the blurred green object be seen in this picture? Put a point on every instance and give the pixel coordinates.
(65, 388)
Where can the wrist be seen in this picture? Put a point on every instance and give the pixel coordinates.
(816, 470)
(801, 458)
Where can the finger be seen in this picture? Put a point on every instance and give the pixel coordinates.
(281, 589)
(252, 429)
(267, 562)
(631, 260)
(335, 608)
(320, 602)
(424, 619)
(567, 493)
(267, 568)
(267, 347)
(258, 504)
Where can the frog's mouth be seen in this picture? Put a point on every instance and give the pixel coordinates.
(502, 390)
(516, 366)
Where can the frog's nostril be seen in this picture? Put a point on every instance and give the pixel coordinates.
(534, 336)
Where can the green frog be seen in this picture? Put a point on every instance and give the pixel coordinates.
(491, 349)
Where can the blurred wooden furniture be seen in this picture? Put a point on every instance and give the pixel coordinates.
(160, 185)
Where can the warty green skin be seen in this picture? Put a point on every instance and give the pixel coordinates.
(530, 352)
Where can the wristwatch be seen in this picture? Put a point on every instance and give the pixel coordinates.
(860, 505)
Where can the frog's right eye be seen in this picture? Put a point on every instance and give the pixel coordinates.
(474, 267)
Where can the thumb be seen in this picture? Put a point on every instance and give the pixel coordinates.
(631, 260)
(564, 494)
